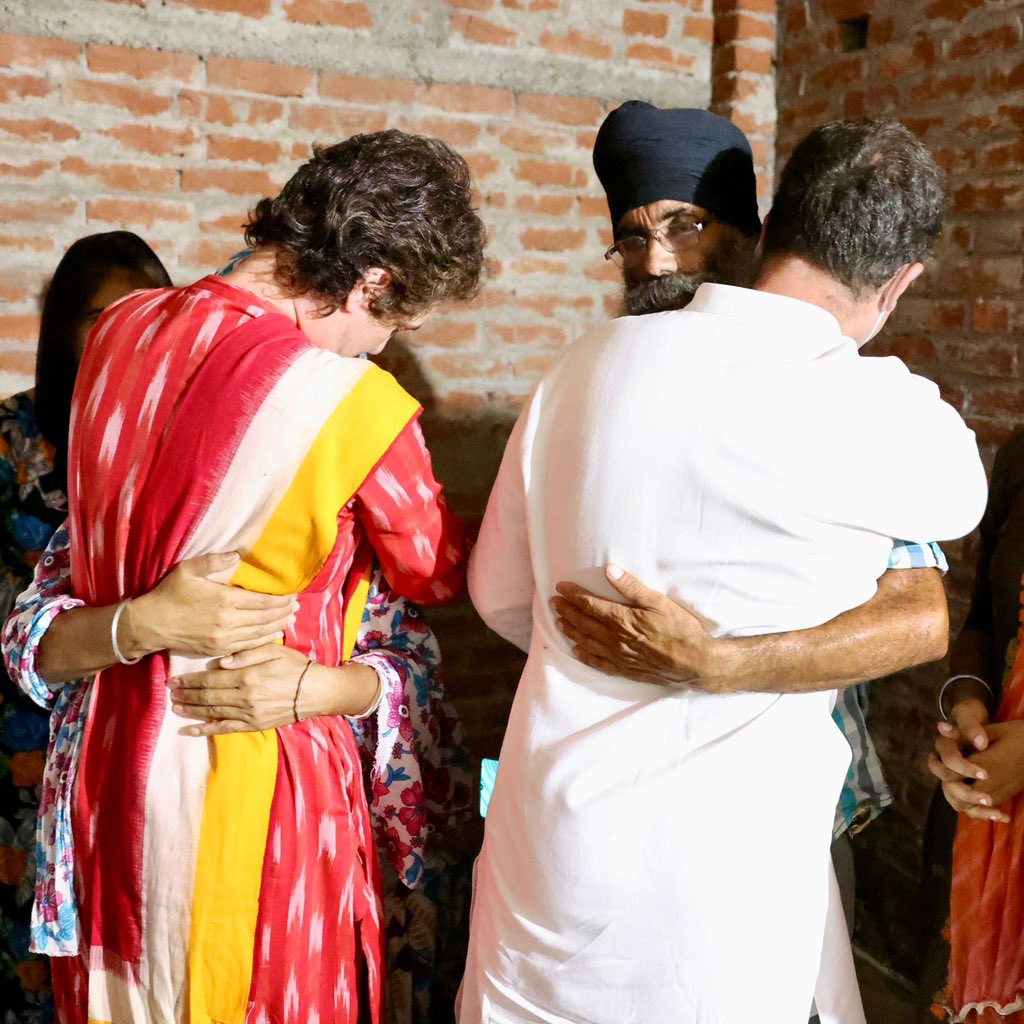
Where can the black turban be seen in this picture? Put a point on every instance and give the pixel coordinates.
(643, 155)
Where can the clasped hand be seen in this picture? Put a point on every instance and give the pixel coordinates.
(651, 639)
(979, 763)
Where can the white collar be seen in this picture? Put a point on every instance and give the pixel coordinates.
(767, 308)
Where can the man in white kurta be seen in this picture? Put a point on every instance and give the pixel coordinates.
(742, 457)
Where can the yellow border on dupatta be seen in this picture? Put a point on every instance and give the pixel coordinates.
(294, 544)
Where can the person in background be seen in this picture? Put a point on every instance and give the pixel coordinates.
(94, 272)
(682, 198)
(979, 759)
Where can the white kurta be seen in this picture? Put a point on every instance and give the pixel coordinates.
(653, 855)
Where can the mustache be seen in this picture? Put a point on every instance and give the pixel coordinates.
(661, 294)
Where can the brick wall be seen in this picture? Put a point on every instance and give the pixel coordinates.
(953, 72)
(172, 116)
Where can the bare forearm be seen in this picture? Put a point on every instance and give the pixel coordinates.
(904, 624)
(969, 657)
(347, 690)
(78, 643)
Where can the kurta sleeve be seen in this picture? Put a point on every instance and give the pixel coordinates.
(47, 596)
(501, 581)
(421, 545)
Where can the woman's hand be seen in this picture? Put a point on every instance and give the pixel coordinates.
(255, 690)
(1003, 764)
(960, 741)
(195, 611)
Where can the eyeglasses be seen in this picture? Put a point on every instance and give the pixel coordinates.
(678, 236)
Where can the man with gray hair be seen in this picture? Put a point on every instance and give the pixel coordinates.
(631, 868)
(681, 194)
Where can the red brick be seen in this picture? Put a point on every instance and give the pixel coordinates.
(16, 87)
(133, 177)
(1003, 37)
(230, 179)
(664, 56)
(329, 12)
(249, 8)
(18, 327)
(575, 43)
(552, 239)
(258, 76)
(741, 26)
(466, 99)
(526, 140)
(155, 139)
(210, 254)
(991, 317)
(1004, 156)
(1005, 195)
(539, 172)
(443, 333)
(952, 10)
(472, 5)
(239, 150)
(48, 210)
(38, 129)
(737, 57)
(482, 165)
(480, 30)
(539, 266)
(645, 23)
(357, 89)
(1008, 399)
(465, 366)
(37, 52)
(699, 28)
(222, 223)
(545, 205)
(942, 88)
(334, 124)
(216, 108)
(563, 109)
(137, 213)
(26, 243)
(31, 170)
(132, 99)
(593, 206)
(141, 63)
(457, 133)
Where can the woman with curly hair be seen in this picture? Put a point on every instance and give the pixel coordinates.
(232, 877)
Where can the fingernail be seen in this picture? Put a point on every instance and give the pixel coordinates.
(233, 556)
(295, 605)
(291, 620)
(614, 571)
(228, 659)
(191, 731)
(979, 742)
(177, 709)
(981, 774)
(985, 802)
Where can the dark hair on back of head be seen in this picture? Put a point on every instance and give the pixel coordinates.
(78, 277)
(859, 200)
(386, 199)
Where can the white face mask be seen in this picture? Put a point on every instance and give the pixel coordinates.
(879, 320)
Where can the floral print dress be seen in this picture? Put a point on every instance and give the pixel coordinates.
(31, 508)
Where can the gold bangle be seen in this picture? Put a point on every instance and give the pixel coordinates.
(298, 689)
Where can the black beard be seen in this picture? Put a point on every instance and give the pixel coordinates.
(733, 264)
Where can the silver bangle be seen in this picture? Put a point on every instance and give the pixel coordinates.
(953, 679)
(113, 636)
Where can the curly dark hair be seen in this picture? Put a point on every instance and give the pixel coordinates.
(858, 199)
(385, 199)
